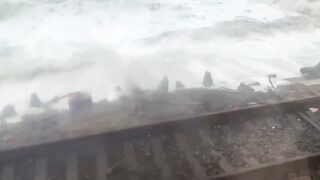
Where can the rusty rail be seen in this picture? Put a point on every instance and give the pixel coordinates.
(96, 149)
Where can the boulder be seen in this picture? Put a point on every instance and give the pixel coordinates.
(245, 88)
(35, 101)
(179, 85)
(7, 112)
(80, 102)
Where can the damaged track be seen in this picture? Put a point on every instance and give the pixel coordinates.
(249, 143)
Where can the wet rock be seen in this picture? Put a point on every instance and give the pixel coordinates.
(207, 80)
(35, 101)
(311, 72)
(139, 100)
(305, 70)
(164, 85)
(272, 76)
(7, 112)
(140, 104)
(273, 95)
(179, 85)
(245, 88)
(80, 102)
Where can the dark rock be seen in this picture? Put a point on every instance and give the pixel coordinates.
(272, 94)
(35, 101)
(311, 72)
(179, 85)
(245, 88)
(305, 70)
(80, 102)
(207, 80)
(317, 67)
(164, 85)
(140, 104)
(8, 111)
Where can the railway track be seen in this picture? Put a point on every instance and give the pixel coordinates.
(279, 141)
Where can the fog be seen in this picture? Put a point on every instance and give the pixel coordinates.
(54, 47)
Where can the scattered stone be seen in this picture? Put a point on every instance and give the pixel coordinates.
(175, 105)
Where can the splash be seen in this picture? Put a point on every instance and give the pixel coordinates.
(56, 47)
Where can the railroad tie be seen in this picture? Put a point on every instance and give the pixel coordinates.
(184, 146)
(7, 172)
(102, 165)
(41, 169)
(227, 168)
(131, 160)
(72, 167)
(159, 157)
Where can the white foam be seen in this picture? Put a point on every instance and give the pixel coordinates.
(43, 44)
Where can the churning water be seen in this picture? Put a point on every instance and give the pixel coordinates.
(58, 46)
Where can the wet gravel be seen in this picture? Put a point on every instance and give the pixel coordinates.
(309, 141)
(242, 142)
(202, 152)
(223, 143)
(263, 141)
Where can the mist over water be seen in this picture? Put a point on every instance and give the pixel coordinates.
(58, 46)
